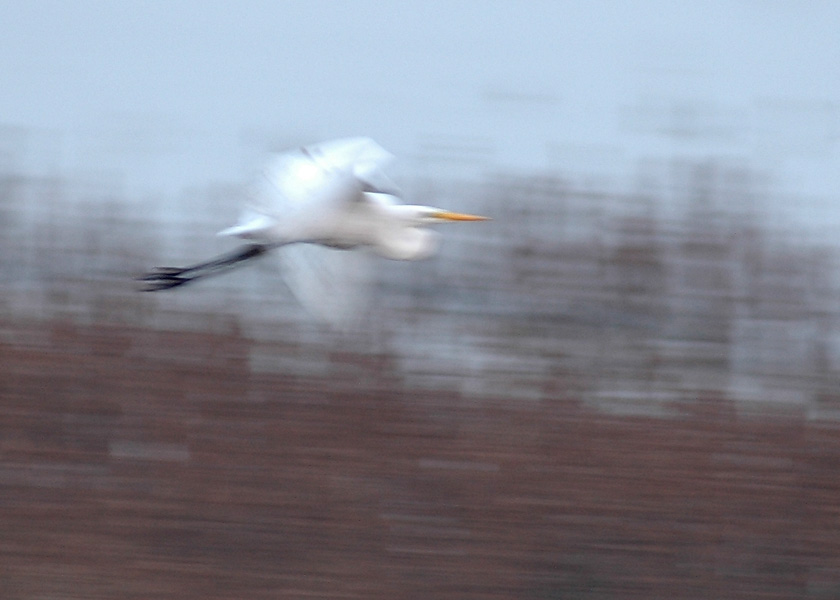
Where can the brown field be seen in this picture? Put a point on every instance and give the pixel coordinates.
(137, 464)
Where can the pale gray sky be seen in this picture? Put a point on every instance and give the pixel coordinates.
(180, 93)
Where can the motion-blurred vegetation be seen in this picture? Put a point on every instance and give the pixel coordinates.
(598, 395)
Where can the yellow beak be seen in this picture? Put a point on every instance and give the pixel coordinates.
(445, 215)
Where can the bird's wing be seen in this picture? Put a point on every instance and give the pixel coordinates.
(292, 197)
(358, 154)
(333, 285)
(302, 195)
(288, 182)
(361, 156)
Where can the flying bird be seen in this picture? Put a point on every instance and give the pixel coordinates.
(316, 201)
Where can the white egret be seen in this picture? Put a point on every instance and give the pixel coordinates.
(332, 195)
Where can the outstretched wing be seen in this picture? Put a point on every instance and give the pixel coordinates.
(332, 285)
(298, 191)
(304, 196)
(361, 156)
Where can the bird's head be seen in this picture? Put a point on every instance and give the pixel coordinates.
(404, 235)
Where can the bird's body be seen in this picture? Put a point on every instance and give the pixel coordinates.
(326, 194)
(332, 194)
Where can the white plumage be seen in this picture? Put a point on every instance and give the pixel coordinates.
(332, 195)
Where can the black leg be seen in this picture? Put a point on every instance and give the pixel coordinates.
(164, 278)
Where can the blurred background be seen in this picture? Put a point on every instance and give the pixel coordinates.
(627, 385)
